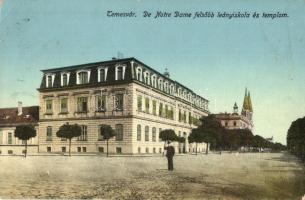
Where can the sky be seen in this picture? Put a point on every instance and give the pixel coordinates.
(215, 57)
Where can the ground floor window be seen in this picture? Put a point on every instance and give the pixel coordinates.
(49, 149)
(160, 150)
(63, 149)
(79, 149)
(147, 150)
(10, 151)
(139, 149)
(84, 149)
(118, 150)
(23, 151)
(154, 150)
(101, 149)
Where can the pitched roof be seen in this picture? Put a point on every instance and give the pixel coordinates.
(9, 116)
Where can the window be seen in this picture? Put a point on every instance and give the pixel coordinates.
(160, 84)
(49, 133)
(84, 149)
(9, 138)
(83, 77)
(147, 150)
(146, 78)
(119, 132)
(65, 78)
(139, 132)
(101, 103)
(154, 107)
(154, 150)
(49, 106)
(154, 134)
(139, 149)
(100, 136)
(139, 74)
(63, 139)
(118, 150)
(64, 105)
(139, 103)
(147, 105)
(146, 133)
(83, 136)
(102, 74)
(165, 87)
(118, 102)
(10, 152)
(119, 73)
(49, 149)
(160, 150)
(234, 123)
(154, 81)
(161, 109)
(160, 129)
(101, 149)
(23, 141)
(226, 123)
(79, 149)
(82, 104)
(49, 81)
(63, 149)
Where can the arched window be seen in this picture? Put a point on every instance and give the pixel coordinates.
(64, 79)
(154, 134)
(102, 75)
(119, 132)
(119, 73)
(146, 133)
(139, 132)
(139, 74)
(160, 84)
(83, 77)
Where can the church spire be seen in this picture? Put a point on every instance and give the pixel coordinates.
(246, 101)
(250, 102)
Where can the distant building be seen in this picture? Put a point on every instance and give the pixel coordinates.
(238, 121)
(9, 119)
(136, 100)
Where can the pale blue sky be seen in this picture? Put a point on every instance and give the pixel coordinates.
(217, 58)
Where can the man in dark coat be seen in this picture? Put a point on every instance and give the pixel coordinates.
(170, 152)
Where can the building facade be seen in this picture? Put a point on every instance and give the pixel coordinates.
(238, 121)
(136, 100)
(12, 117)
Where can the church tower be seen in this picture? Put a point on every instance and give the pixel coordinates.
(247, 109)
(235, 109)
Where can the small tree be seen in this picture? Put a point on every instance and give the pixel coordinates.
(196, 136)
(25, 132)
(168, 135)
(69, 131)
(107, 132)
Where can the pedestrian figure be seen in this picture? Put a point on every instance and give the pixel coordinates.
(170, 152)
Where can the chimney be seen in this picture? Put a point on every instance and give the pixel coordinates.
(19, 108)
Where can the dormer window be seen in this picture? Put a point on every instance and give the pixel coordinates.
(50, 80)
(139, 74)
(102, 74)
(160, 84)
(83, 77)
(119, 72)
(154, 80)
(146, 78)
(65, 76)
(165, 87)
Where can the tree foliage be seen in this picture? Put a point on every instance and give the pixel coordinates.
(296, 138)
(107, 132)
(69, 131)
(25, 132)
(168, 135)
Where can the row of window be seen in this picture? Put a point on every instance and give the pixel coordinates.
(167, 87)
(83, 76)
(84, 135)
(164, 110)
(82, 104)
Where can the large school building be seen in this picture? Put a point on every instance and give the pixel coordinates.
(136, 100)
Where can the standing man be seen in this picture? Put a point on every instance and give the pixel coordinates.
(170, 152)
